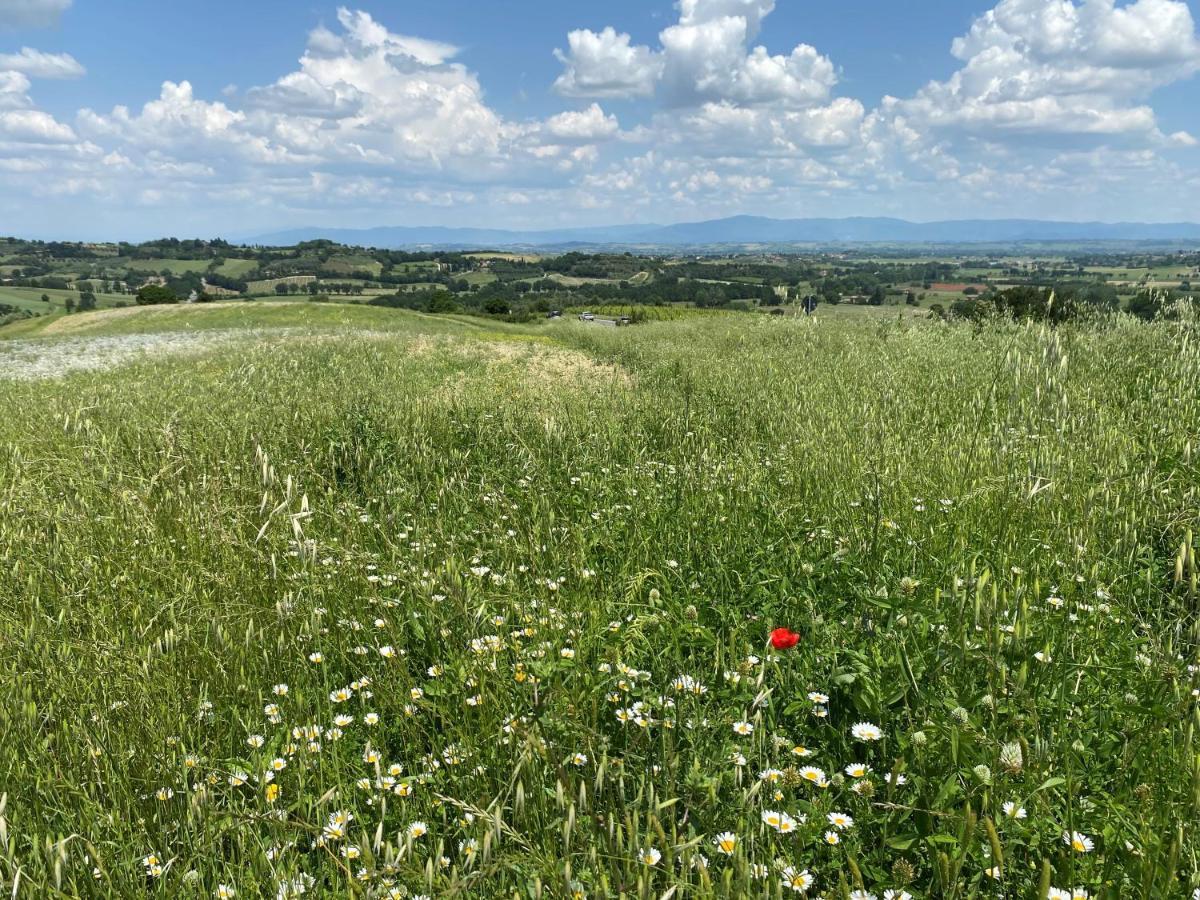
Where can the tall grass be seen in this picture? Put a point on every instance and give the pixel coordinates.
(547, 575)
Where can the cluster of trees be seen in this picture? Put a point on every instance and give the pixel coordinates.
(1062, 303)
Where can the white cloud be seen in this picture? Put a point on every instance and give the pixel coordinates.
(364, 31)
(605, 64)
(31, 13)
(705, 57)
(1057, 67)
(31, 126)
(14, 88)
(37, 64)
(589, 126)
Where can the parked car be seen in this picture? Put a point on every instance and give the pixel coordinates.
(554, 314)
(587, 317)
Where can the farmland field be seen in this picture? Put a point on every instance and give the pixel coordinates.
(359, 602)
(31, 298)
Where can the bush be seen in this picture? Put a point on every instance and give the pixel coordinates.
(155, 295)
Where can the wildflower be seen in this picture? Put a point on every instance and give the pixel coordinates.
(798, 881)
(387, 651)
(818, 697)
(225, 892)
(417, 830)
(784, 639)
(815, 776)
(371, 719)
(1012, 760)
(801, 752)
(743, 728)
(255, 741)
(649, 856)
(341, 695)
(861, 895)
(865, 731)
(1013, 811)
(1078, 842)
(579, 759)
(993, 872)
(858, 770)
(892, 894)
(152, 865)
(832, 838)
(316, 658)
(840, 821)
(895, 778)
(271, 792)
(726, 841)
(237, 779)
(780, 821)
(164, 793)
(296, 887)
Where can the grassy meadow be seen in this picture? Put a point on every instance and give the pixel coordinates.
(337, 601)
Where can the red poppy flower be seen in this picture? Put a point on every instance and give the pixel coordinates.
(784, 639)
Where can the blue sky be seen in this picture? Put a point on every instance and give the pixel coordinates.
(131, 118)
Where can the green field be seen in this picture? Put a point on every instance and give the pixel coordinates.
(174, 266)
(377, 604)
(348, 265)
(31, 299)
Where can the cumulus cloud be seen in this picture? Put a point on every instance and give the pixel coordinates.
(31, 13)
(1058, 67)
(589, 126)
(605, 64)
(704, 57)
(31, 126)
(37, 64)
(14, 90)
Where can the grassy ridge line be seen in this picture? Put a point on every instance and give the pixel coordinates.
(184, 538)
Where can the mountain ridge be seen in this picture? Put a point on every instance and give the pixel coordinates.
(747, 230)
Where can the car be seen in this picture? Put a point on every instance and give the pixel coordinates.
(625, 320)
(587, 317)
(554, 314)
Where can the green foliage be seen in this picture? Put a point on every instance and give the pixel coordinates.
(155, 295)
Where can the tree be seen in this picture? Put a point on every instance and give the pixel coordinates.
(45, 298)
(69, 303)
(155, 295)
(87, 301)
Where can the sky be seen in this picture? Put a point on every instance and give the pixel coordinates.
(134, 119)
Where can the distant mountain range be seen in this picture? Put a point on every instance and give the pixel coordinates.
(748, 230)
